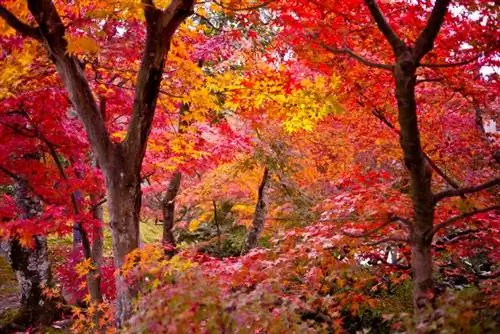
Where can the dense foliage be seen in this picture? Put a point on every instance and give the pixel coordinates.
(274, 166)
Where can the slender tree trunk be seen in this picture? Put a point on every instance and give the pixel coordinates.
(168, 209)
(94, 277)
(259, 216)
(31, 265)
(420, 178)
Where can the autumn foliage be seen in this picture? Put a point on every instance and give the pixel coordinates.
(251, 166)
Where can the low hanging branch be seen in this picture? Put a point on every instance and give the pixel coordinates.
(392, 219)
(468, 190)
(453, 220)
(389, 239)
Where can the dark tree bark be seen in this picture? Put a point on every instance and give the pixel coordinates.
(259, 216)
(120, 163)
(404, 72)
(94, 276)
(168, 209)
(31, 265)
(168, 202)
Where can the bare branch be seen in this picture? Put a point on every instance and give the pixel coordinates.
(18, 25)
(396, 43)
(356, 56)
(462, 191)
(425, 42)
(453, 220)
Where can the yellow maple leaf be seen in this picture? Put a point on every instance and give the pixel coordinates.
(84, 267)
(81, 45)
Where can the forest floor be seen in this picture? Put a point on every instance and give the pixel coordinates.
(9, 301)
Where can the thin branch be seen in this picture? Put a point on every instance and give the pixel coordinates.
(98, 204)
(453, 220)
(396, 43)
(377, 113)
(10, 174)
(456, 236)
(356, 56)
(18, 25)
(462, 191)
(393, 219)
(438, 170)
(425, 42)
(389, 239)
(262, 5)
(445, 65)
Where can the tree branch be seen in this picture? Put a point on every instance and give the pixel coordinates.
(425, 40)
(389, 239)
(10, 174)
(52, 30)
(453, 220)
(262, 5)
(356, 56)
(377, 113)
(392, 219)
(462, 191)
(161, 26)
(396, 43)
(461, 63)
(18, 25)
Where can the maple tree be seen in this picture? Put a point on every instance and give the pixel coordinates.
(421, 45)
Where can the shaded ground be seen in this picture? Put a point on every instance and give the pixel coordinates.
(8, 292)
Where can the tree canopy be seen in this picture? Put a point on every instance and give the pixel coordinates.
(250, 166)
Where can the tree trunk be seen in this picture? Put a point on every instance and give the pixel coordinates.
(168, 208)
(124, 204)
(94, 277)
(420, 178)
(259, 216)
(120, 163)
(31, 265)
